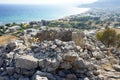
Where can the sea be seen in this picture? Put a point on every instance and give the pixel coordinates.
(25, 13)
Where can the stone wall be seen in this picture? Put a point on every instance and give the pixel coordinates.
(78, 38)
(63, 35)
(59, 60)
(54, 34)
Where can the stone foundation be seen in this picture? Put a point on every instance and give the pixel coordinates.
(63, 35)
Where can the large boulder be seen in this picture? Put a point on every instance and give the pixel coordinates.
(26, 62)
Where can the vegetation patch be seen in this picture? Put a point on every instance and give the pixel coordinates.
(5, 39)
(109, 37)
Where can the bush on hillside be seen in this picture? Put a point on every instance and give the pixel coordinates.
(107, 37)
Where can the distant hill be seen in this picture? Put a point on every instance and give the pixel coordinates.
(103, 3)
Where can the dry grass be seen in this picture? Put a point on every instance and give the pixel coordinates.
(116, 29)
(4, 39)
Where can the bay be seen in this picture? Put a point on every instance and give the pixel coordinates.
(26, 13)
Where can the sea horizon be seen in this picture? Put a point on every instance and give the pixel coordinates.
(10, 13)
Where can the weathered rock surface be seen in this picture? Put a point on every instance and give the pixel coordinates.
(26, 62)
(116, 67)
(43, 75)
(84, 58)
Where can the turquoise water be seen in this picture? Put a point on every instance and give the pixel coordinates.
(24, 13)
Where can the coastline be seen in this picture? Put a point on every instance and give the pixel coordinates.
(18, 14)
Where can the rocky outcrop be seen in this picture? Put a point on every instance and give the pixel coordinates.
(58, 60)
(26, 62)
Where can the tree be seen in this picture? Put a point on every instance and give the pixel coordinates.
(107, 37)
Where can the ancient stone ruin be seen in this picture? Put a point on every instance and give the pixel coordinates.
(63, 35)
(57, 57)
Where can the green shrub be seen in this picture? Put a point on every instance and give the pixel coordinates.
(107, 37)
(99, 36)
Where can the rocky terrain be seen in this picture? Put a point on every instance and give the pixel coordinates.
(80, 58)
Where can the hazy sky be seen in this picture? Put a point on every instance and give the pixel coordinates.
(48, 2)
